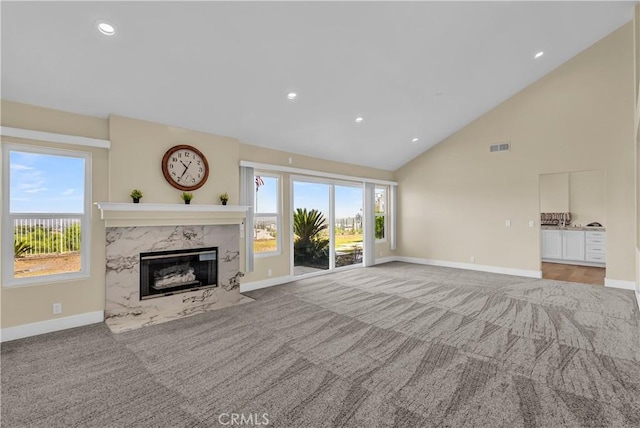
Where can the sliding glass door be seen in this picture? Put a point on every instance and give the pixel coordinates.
(347, 242)
(311, 237)
(327, 225)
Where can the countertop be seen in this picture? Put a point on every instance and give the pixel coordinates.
(592, 229)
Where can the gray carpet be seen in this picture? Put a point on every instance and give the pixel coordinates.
(396, 345)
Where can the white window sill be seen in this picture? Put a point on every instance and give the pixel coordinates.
(44, 279)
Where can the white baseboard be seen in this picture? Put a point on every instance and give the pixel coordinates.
(26, 330)
(381, 260)
(618, 283)
(257, 285)
(473, 266)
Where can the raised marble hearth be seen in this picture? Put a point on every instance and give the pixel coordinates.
(124, 308)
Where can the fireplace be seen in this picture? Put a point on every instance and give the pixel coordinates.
(163, 273)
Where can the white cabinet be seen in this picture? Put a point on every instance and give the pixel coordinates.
(596, 247)
(551, 244)
(573, 245)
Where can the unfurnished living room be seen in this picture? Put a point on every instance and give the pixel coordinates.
(320, 214)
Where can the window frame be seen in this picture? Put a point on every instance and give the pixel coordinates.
(7, 258)
(277, 215)
(384, 214)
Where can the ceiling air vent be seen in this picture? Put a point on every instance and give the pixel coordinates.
(500, 147)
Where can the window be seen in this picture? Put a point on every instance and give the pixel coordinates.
(381, 213)
(46, 203)
(266, 218)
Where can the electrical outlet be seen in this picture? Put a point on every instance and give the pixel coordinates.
(290, 161)
(507, 223)
(57, 308)
(532, 223)
(269, 273)
(473, 259)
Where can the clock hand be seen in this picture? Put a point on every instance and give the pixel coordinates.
(186, 168)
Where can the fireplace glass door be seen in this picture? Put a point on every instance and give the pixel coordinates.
(169, 272)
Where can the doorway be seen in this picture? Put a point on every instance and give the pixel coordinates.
(573, 226)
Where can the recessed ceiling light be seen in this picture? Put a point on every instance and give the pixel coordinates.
(359, 119)
(415, 140)
(538, 55)
(106, 28)
(292, 96)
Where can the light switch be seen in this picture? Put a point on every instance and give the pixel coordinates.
(507, 223)
(532, 223)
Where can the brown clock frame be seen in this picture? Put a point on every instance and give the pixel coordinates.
(165, 169)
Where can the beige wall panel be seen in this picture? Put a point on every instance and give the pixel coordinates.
(137, 148)
(588, 196)
(455, 198)
(275, 157)
(554, 193)
(33, 303)
(25, 116)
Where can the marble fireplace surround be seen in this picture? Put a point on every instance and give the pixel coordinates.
(132, 229)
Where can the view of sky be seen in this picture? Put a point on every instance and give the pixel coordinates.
(316, 195)
(46, 183)
(311, 195)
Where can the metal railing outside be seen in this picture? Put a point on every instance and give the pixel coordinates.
(46, 235)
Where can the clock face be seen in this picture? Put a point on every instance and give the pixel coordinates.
(185, 167)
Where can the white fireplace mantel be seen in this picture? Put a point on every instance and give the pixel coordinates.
(123, 214)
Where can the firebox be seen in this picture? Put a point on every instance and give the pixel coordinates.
(164, 273)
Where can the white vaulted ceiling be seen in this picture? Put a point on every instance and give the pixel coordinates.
(411, 70)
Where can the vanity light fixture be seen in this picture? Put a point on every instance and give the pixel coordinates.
(105, 27)
(538, 55)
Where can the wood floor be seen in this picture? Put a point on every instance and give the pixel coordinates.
(571, 273)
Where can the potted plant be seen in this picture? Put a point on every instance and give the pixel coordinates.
(224, 198)
(186, 197)
(136, 195)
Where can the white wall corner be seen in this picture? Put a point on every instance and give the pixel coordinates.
(27, 330)
(257, 285)
(618, 283)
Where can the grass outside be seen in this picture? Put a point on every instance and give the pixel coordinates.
(265, 245)
(46, 265)
(348, 240)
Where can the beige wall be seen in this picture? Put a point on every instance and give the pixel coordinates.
(587, 197)
(636, 40)
(454, 199)
(582, 193)
(28, 304)
(554, 193)
(135, 159)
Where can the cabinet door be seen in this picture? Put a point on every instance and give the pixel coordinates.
(551, 244)
(573, 245)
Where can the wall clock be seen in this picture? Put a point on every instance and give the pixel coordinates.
(185, 167)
